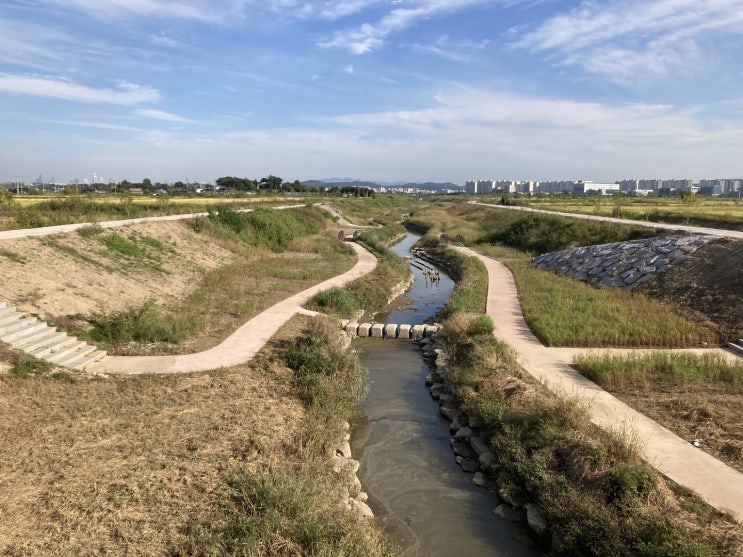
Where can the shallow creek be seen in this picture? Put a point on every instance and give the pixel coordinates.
(416, 488)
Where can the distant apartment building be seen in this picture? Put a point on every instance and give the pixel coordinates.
(728, 187)
(635, 187)
(573, 187)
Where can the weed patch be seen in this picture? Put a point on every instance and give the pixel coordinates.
(14, 257)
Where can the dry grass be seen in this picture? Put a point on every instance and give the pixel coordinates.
(199, 464)
(120, 466)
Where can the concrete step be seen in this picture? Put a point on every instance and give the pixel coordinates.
(70, 353)
(737, 347)
(80, 363)
(62, 350)
(25, 332)
(16, 325)
(6, 311)
(51, 347)
(43, 338)
(10, 318)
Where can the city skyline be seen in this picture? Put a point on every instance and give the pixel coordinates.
(387, 91)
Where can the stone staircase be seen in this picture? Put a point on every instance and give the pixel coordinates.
(736, 347)
(42, 341)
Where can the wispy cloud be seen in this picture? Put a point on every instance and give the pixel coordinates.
(200, 10)
(349, 69)
(88, 124)
(160, 115)
(371, 36)
(478, 132)
(126, 94)
(461, 50)
(636, 39)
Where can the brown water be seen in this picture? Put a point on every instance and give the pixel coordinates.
(416, 488)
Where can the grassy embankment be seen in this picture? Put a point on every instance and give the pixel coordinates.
(381, 210)
(232, 462)
(263, 243)
(35, 212)
(559, 310)
(565, 312)
(697, 210)
(598, 495)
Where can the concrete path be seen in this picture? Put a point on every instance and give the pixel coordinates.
(241, 345)
(646, 224)
(714, 481)
(66, 228)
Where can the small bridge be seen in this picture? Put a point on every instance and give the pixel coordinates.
(389, 330)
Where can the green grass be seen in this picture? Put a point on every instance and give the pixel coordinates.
(538, 234)
(562, 311)
(702, 211)
(234, 292)
(679, 368)
(559, 310)
(118, 244)
(69, 250)
(370, 292)
(470, 274)
(379, 210)
(599, 497)
(295, 509)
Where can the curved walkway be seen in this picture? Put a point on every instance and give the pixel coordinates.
(241, 345)
(714, 481)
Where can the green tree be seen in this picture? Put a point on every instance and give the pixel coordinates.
(271, 182)
(127, 201)
(687, 196)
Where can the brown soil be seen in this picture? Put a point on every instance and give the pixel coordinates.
(48, 276)
(709, 283)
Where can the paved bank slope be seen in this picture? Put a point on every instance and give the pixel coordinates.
(714, 481)
(241, 345)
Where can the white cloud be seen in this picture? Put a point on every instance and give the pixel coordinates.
(126, 94)
(160, 115)
(468, 132)
(200, 10)
(349, 69)
(460, 50)
(636, 39)
(371, 36)
(96, 125)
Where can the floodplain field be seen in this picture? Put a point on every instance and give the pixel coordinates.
(714, 212)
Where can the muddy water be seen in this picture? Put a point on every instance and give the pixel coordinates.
(429, 506)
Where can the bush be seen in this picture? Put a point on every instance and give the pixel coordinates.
(145, 323)
(545, 233)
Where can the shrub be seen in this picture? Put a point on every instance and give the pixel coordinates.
(545, 233)
(145, 323)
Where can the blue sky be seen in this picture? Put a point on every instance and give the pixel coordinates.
(385, 90)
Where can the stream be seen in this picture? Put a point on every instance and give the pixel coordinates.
(416, 489)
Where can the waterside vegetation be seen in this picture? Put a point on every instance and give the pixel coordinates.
(559, 310)
(592, 486)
